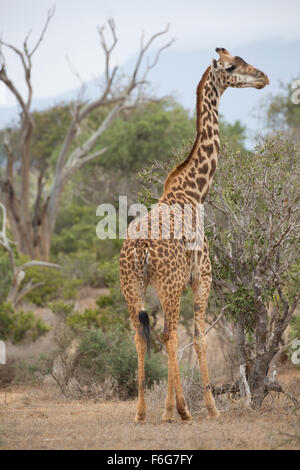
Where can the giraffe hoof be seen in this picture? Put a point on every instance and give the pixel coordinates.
(213, 414)
(139, 418)
(187, 418)
(185, 415)
(168, 418)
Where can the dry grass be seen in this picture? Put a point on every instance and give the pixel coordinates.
(40, 418)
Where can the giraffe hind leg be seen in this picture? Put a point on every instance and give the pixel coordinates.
(169, 412)
(133, 286)
(140, 322)
(141, 403)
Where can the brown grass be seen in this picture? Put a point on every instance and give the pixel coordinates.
(39, 418)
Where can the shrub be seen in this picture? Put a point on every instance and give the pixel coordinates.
(112, 307)
(86, 320)
(113, 354)
(17, 326)
(54, 285)
(81, 266)
(74, 230)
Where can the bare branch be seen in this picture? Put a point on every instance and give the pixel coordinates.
(181, 351)
(49, 16)
(108, 50)
(17, 51)
(41, 264)
(6, 80)
(79, 162)
(28, 288)
(143, 50)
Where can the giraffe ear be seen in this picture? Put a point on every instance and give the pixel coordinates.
(222, 51)
(214, 64)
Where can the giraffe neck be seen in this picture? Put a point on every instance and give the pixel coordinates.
(189, 182)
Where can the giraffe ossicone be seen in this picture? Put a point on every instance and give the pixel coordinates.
(166, 263)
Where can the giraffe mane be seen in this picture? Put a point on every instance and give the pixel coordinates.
(178, 169)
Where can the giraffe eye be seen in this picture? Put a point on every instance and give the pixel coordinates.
(231, 68)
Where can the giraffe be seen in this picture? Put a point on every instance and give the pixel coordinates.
(167, 263)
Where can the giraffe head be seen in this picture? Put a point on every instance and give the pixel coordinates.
(235, 72)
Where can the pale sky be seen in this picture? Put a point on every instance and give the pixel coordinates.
(198, 26)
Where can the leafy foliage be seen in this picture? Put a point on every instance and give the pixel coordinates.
(233, 134)
(150, 132)
(282, 113)
(112, 353)
(54, 284)
(20, 325)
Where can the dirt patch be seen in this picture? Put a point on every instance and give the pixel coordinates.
(39, 418)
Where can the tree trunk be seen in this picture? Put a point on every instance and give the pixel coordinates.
(42, 239)
(31, 237)
(258, 380)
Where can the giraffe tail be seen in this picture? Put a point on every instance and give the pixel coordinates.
(144, 319)
(141, 260)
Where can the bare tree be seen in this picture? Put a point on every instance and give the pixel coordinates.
(17, 290)
(33, 227)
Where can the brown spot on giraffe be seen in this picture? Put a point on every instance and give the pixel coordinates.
(204, 168)
(213, 168)
(209, 131)
(208, 149)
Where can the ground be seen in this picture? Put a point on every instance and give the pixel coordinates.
(38, 417)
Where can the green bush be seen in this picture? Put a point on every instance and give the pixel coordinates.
(61, 309)
(54, 285)
(112, 307)
(81, 266)
(75, 229)
(88, 319)
(105, 316)
(17, 326)
(112, 353)
(75, 245)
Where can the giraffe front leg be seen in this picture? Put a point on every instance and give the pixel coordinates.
(201, 292)
(171, 308)
(141, 403)
(180, 400)
(169, 412)
(200, 347)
